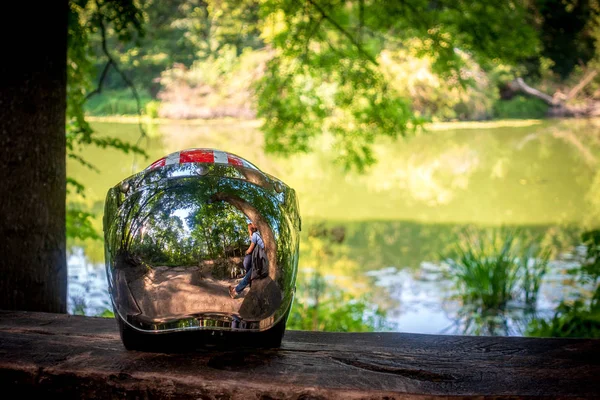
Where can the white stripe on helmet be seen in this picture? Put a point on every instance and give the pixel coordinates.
(172, 158)
(220, 157)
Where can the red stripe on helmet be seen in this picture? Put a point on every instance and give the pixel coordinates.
(158, 163)
(203, 156)
(233, 160)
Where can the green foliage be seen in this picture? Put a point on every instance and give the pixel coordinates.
(298, 104)
(107, 313)
(576, 319)
(493, 272)
(79, 305)
(213, 227)
(579, 317)
(86, 18)
(152, 108)
(178, 33)
(115, 102)
(79, 224)
(440, 98)
(321, 306)
(219, 85)
(590, 270)
(520, 107)
(325, 72)
(319, 67)
(326, 76)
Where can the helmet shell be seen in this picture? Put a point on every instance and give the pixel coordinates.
(175, 241)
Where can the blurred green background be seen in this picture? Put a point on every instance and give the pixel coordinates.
(438, 189)
(375, 246)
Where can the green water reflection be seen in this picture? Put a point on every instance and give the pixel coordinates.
(401, 216)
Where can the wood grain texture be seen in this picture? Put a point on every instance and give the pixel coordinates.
(82, 357)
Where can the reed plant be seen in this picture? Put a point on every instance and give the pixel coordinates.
(495, 272)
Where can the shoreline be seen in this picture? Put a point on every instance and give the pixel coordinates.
(256, 123)
(133, 119)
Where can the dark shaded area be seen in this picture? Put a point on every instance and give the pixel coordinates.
(261, 300)
(565, 33)
(33, 79)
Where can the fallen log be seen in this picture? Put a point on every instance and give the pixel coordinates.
(558, 104)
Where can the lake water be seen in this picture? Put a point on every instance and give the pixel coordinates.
(399, 218)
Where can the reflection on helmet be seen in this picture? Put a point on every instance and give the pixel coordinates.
(176, 237)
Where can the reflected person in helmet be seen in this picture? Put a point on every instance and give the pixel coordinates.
(255, 240)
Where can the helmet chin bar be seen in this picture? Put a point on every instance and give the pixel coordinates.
(176, 237)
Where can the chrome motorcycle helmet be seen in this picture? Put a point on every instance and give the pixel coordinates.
(203, 245)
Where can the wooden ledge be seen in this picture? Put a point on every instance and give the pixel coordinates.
(82, 357)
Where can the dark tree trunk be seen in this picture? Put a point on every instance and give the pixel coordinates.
(33, 273)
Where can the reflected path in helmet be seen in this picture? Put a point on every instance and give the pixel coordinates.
(178, 239)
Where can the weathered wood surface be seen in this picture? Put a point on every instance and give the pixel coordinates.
(82, 357)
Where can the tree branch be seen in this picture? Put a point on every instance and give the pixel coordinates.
(344, 32)
(98, 90)
(361, 20)
(309, 36)
(587, 79)
(127, 81)
(535, 93)
(331, 46)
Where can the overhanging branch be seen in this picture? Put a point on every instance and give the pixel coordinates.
(344, 32)
(98, 89)
(310, 35)
(114, 64)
